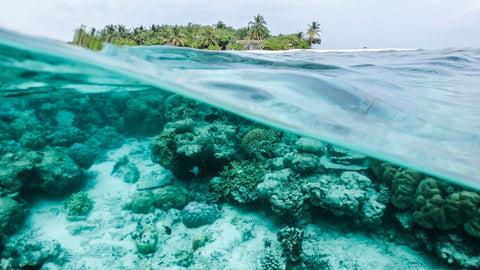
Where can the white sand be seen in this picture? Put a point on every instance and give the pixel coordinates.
(103, 241)
(326, 51)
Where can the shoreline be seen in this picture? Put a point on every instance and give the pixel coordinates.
(324, 50)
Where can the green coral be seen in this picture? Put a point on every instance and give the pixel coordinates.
(443, 206)
(239, 175)
(404, 185)
(79, 204)
(403, 182)
(170, 197)
(259, 142)
(163, 148)
(142, 202)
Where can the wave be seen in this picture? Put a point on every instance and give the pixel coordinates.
(414, 108)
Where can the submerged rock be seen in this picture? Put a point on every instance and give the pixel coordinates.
(351, 194)
(82, 154)
(340, 155)
(126, 170)
(307, 145)
(12, 214)
(50, 171)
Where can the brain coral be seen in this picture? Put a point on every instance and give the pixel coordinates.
(196, 214)
(437, 205)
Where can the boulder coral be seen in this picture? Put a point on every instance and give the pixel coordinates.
(402, 182)
(197, 214)
(142, 202)
(403, 187)
(441, 206)
(170, 197)
(304, 163)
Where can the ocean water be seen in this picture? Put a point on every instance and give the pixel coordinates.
(413, 108)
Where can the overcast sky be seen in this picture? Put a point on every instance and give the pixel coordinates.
(345, 24)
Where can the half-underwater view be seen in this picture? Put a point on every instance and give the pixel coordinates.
(253, 135)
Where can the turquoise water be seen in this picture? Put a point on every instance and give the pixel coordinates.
(415, 108)
(117, 159)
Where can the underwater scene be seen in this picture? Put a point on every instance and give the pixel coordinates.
(172, 158)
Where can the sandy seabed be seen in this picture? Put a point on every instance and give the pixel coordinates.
(103, 240)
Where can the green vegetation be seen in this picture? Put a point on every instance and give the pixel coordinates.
(313, 33)
(218, 36)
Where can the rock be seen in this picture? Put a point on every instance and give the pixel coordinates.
(351, 194)
(12, 214)
(82, 154)
(157, 178)
(339, 155)
(307, 145)
(303, 163)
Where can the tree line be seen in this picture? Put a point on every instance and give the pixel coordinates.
(216, 37)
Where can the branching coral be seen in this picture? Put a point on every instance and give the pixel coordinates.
(238, 180)
(78, 204)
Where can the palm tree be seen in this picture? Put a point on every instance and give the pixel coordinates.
(243, 32)
(177, 37)
(312, 32)
(208, 37)
(220, 25)
(258, 28)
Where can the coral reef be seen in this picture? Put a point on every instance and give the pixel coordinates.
(78, 204)
(259, 142)
(82, 154)
(196, 214)
(351, 194)
(146, 238)
(170, 197)
(438, 205)
(12, 214)
(142, 202)
(50, 171)
(291, 240)
(238, 180)
(32, 254)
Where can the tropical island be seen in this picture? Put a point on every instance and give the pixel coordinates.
(216, 37)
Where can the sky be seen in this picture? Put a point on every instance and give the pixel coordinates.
(345, 24)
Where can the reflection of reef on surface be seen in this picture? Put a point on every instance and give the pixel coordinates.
(214, 158)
